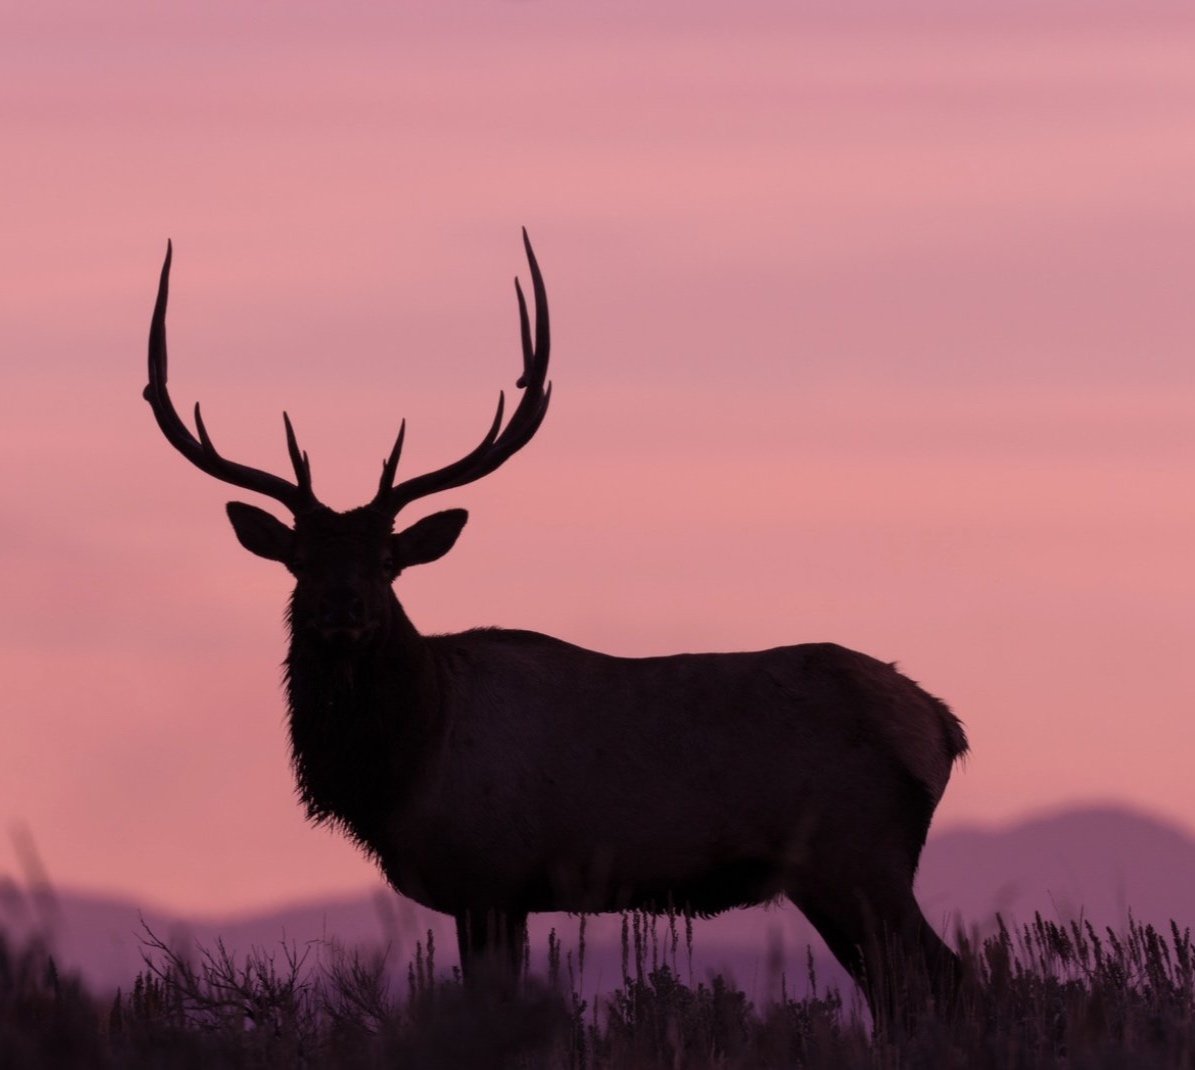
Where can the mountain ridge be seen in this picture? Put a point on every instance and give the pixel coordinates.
(1097, 862)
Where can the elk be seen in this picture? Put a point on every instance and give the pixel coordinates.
(495, 773)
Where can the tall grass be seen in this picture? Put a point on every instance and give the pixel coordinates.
(1040, 995)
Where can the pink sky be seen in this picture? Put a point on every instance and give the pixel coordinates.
(868, 328)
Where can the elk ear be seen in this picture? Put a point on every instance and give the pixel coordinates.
(260, 533)
(427, 539)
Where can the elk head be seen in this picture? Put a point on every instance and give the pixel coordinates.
(344, 563)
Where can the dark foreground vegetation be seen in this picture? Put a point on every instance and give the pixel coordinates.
(1045, 995)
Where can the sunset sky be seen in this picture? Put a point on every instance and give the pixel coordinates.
(869, 327)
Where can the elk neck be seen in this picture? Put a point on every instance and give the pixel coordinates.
(362, 718)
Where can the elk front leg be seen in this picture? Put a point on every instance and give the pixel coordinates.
(491, 942)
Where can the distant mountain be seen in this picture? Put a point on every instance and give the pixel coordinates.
(1101, 863)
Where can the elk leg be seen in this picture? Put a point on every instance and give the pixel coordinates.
(884, 942)
(516, 942)
(842, 947)
(491, 942)
(914, 965)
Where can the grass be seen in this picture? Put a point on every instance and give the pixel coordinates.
(1040, 995)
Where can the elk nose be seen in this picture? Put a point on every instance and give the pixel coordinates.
(341, 611)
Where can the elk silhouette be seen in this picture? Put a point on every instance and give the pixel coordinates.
(495, 773)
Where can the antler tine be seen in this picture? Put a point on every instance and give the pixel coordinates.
(390, 464)
(542, 331)
(500, 443)
(298, 458)
(297, 497)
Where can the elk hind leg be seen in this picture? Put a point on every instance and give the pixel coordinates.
(877, 932)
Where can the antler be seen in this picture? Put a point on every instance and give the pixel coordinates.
(499, 443)
(298, 497)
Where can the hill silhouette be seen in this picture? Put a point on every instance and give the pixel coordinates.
(1098, 863)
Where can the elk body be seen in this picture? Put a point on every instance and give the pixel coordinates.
(495, 773)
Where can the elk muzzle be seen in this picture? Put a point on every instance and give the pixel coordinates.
(341, 617)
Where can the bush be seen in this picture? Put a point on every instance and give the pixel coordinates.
(1043, 995)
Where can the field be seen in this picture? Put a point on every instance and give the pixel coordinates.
(1041, 995)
